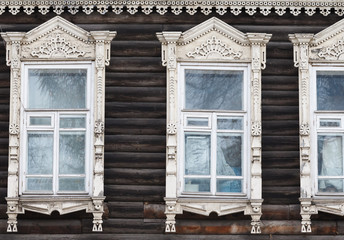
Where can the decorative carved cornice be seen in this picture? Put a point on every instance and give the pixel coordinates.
(265, 7)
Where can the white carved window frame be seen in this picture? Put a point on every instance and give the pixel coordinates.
(57, 42)
(213, 42)
(313, 52)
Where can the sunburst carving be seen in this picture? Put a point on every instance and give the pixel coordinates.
(57, 47)
(214, 48)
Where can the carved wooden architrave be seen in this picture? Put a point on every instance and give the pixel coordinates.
(57, 40)
(325, 47)
(213, 41)
(206, 7)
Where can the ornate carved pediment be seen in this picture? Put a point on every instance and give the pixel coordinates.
(214, 48)
(333, 52)
(221, 208)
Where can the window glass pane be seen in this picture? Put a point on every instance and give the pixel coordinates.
(57, 88)
(213, 89)
(72, 153)
(330, 155)
(231, 123)
(330, 185)
(40, 153)
(329, 122)
(197, 185)
(194, 121)
(72, 121)
(197, 154)
(229, 155)
(71, 184)
(330, 90)
(39, 184)
(40, 121)
(225, 185)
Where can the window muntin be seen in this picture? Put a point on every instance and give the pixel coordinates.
(56, 135)
(328, 114)
(214, 149)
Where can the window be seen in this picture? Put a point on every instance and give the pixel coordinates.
(56, 142)
(319, 59)
(213, 150)
(56, 129)
(214, 130)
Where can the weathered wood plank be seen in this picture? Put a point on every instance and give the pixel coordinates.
(280, 83)
(132, 193)
(282, 143)
(280, 159)
(280, 113)
(281, 194)
(281, 177)
(136, 64)
(133, 110)
(279, 50)
(280, 128)
(138, 79)
(139, 126)
(135, 48)
(281, 67)
(130, 176)
(280, 98)
(126, 209)
(134, 94)
(135, 160)
(135, 143)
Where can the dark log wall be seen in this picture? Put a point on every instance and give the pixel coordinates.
(135, 135)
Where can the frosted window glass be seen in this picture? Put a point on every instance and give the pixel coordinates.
(224, 185)
(231, 123)
(330, 185)
(72, 122)
(40, 153)
(197, 185)
(200, 122)
(72, 153)
(57, 88)
(39, 184)
(330, 90)
(71, 184)
(213, 89)
(40, 121)
(197, 154)
(229, 155)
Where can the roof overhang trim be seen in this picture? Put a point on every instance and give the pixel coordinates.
(251, 7)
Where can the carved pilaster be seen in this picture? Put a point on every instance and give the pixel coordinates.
(255, 210)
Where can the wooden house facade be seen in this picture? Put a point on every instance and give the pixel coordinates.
(127, 48)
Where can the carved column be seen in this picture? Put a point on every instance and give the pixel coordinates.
(169, 42)
(102, 56)
(13, 49)
(301, 59)
(258, 46)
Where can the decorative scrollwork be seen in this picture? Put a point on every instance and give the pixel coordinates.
(171, 128)
(14, 129)
(256, 129)
(214, 46)
(99, 127)
(334, 52)
(57, 47)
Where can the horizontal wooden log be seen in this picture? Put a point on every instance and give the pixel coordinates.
(135, 160)
(280, 112)
(280, 67)
(135, 143)
(135, 48)
(129, 176)
(127, 226)
(135, 94)
(280, 83)
(138, 79)
(281, 128)
(4, 112)
(4, 146)
(132, 193)
(281, 194)
(140, 126)
(3, 179)
(3, 162)
(136, 64)
(281, 143)
(281, 177)
(134, 110)
(280, 159)
(280, 98)
(279, 50)
(126, 209)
